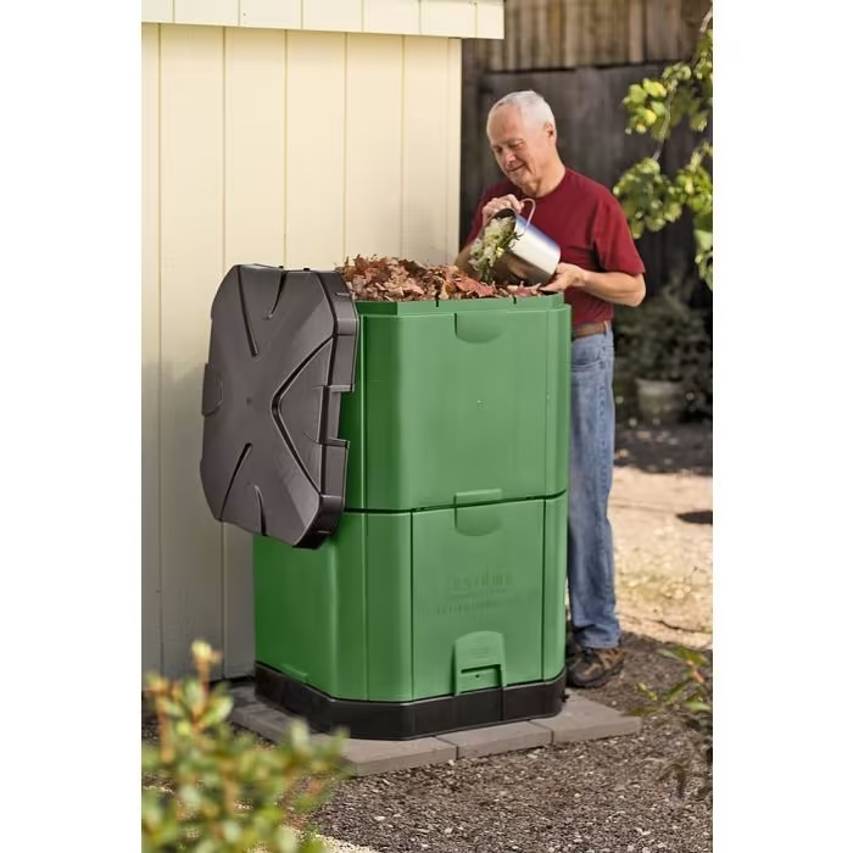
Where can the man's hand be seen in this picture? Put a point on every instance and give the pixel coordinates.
(501, 203)
(566, 275)
(617, 287)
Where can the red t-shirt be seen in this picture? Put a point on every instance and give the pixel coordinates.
(585, 220)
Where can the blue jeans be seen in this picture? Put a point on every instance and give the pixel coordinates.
(592, 597)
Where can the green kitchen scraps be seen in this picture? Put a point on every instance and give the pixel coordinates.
(491, 244)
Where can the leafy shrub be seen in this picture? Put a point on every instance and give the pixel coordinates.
(209, 790)
(650, 198)
(666, 339)
(690, 702)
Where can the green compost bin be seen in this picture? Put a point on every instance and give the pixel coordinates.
(436, 601)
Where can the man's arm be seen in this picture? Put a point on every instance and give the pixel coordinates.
(617, 287)
(462, 260)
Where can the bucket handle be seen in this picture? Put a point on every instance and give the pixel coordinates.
(532, 211)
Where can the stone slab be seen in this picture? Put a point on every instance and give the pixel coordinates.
(243, 694)
(365, 756)
(583, 719)
(261, 719)
(490, 740)
(383, 756)
(580, 719)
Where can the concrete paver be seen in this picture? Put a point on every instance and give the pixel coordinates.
(580, 719)
(583, 719)
(489, 740)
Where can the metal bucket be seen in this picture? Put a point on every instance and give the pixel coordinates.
(531, 256)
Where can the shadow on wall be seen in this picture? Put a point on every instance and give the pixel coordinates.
(196, 572)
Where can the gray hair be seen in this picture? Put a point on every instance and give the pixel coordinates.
(532, 106)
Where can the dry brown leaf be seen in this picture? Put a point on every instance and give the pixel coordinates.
(389, 279)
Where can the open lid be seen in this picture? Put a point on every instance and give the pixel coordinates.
(282, 351)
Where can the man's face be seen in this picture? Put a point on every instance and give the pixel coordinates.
(523, 150)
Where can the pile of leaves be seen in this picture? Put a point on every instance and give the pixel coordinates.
(385, 279)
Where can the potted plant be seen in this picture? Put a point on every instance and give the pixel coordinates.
(668, 349)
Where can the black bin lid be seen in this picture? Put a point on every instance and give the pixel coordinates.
(282, 351)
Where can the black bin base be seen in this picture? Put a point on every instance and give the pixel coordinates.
(404, 720)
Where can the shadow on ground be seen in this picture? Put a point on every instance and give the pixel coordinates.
(683, 448)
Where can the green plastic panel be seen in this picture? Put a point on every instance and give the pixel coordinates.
(459, 403)
(555, 544)
(309, 608)
(478, 569)
(402, 606)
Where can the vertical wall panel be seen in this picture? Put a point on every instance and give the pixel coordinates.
(283, 148)
(254, 233)
(314, 157)
(271, 13)
(374, 144)
(338, 15)
(392, 16)
(425, 152)
(254, 146)
(453, 105)
(151, 627)
(191, 269)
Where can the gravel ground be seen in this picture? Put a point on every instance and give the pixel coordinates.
(663, 554)
(683, 448)
(600, 796)
(661, 512)
(594, 797)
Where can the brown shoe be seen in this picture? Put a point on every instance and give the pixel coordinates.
(594, 667)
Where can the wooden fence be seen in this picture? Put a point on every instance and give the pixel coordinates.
(570, 33)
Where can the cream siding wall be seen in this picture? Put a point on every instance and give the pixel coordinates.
(279, 147)
(455, 18)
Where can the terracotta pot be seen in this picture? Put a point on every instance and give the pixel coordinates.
(660, 402)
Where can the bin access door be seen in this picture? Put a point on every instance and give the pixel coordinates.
(282, 351)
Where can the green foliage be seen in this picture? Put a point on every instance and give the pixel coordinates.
(490, 246)
(689, 700)
(650, 198)
(665, 339)
(209, 790)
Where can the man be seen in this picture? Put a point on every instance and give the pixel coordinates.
(599, 266)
